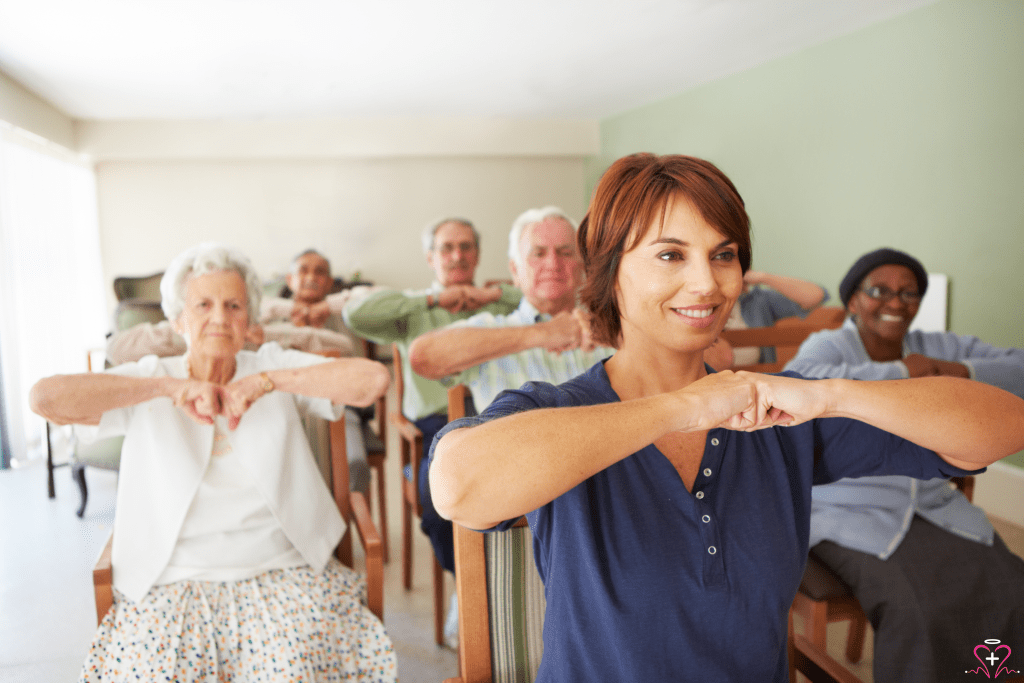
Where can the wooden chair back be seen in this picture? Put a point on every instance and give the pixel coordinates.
(410, 437)
(144, 287)
(375, 442)
(785, 336)
(501, 596)
(410, 442)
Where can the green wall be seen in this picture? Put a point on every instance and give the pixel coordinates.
(907, 134)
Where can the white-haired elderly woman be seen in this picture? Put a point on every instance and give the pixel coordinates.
(224, 526)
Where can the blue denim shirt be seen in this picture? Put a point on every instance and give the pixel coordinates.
(646, 581)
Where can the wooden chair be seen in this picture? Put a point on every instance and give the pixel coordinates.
(786, 335)
(501, 614)
(375, 442)
(410, 441)
(501, 596)
(376, 453)
(353, 507)
(813, 661)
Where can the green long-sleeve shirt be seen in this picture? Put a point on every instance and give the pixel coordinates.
(393, 317)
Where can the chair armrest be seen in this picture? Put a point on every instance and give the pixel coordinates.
(818, 665)
(966, 485)
(406, 429)
(103, 580)
(764, 368)
(370, 539)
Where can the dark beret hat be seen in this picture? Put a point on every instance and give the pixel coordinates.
(880, 257)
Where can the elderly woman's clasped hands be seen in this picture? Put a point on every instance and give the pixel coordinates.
(204, 401)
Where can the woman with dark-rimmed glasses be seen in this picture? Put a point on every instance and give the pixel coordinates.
(929, 570)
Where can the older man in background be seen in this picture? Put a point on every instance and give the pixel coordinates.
(311, 317)
(452, 249)
(546, 338)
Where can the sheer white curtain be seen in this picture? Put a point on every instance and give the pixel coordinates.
(52, 307)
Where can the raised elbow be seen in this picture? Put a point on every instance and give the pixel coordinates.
(369, 385)
(445, 494)
(453, 489)
(43, 399)
(378, 383)
(422, 361)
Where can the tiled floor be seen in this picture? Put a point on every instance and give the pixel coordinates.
(47, 615)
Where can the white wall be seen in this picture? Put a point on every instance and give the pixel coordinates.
(364, 215)
(358, 190)
(22, 108)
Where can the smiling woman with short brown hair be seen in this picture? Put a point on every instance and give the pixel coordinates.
(669, 505)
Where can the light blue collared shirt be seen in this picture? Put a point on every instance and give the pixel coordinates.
(487, 380)
(873, 514)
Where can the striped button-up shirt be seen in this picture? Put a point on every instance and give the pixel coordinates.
(487, 380)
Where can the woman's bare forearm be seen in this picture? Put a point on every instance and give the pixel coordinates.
(445, 352)
(969, 424)
(346, 381)
(509, 466)
(83, 398)
(806, 294)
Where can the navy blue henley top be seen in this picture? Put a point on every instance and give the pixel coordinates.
(646, 581)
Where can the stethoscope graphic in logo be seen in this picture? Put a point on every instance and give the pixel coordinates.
(996, 653)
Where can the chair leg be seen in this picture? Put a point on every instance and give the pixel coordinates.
(78, 474)
(816, 626)
(855, 641)
(406, 543)
(50, 490)
(439, 612)
(383, 509)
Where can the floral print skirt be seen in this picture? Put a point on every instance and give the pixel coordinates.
(283, 625)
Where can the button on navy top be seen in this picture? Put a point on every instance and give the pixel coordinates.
(646, 581)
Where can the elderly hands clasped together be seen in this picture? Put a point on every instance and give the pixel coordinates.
(204, 401)
(464, 297)
(566, 331)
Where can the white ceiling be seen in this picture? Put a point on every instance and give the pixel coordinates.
(267, 59)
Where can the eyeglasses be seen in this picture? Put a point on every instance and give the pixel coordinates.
(883, 294)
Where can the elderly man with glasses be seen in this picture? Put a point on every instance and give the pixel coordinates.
(929, 570)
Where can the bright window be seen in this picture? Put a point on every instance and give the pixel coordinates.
(52, 307)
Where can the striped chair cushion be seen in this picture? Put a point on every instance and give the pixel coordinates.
(515, 597)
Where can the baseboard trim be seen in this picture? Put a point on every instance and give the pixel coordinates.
(1000, 492)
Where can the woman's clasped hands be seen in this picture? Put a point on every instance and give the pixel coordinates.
(747, 401)
(204, 401)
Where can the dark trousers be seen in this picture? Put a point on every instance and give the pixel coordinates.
(437, 529)
(933, 601)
